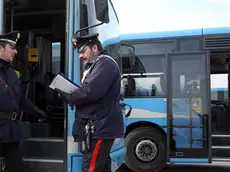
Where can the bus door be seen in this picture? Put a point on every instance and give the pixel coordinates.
(188, 106)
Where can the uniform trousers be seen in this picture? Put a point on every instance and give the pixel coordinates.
(98, 159)
(11, 156)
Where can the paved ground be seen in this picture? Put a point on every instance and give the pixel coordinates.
(215, 167)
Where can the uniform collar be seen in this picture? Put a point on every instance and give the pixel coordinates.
(4, 63)
(102, 52)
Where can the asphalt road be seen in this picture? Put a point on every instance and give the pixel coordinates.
(217, 166)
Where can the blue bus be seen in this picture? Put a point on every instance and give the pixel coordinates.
(44, 50)
(177, 83)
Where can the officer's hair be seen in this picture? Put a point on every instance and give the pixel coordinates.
(3, 44)
(97, 42)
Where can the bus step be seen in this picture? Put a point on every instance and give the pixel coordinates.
(221, 159)
(43, 147)
(220, 147)
(39, 164)
(221, 140)
(220, 136)
(42, 129)
(221, 151)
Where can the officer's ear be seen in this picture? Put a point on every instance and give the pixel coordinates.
(1, 47)
(95, 48)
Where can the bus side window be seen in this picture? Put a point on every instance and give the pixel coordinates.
(142, 85)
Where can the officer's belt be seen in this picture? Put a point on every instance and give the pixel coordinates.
(12, 115)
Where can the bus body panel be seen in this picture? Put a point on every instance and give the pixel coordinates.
(151, 50)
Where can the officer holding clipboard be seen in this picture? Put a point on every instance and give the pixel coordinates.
(99, 119)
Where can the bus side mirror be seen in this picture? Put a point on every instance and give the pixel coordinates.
(84, 23)
(128, 61)
(102, 10)
(132, 57)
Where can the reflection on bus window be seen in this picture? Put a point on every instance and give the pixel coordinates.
(219, 87)
(193, 86)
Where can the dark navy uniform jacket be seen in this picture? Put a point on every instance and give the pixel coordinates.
(98, 100)
(10, 129)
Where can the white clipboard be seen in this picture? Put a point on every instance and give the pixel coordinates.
(63, 84)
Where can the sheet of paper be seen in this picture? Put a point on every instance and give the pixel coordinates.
(63, 84)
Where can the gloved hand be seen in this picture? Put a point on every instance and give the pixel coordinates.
(68, 98)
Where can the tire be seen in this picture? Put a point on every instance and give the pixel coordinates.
(151, 139)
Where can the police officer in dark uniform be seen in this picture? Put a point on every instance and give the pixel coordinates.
(12, 102)
(97, 105)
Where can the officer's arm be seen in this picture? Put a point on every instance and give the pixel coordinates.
(27, 106)
(97, 83)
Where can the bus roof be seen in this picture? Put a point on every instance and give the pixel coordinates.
(176, 33)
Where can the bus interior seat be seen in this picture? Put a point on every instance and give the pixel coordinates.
(131, 88)
(154, 90)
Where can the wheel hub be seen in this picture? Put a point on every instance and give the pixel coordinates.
(146, 150)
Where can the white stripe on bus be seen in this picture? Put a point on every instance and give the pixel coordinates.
(141, 113)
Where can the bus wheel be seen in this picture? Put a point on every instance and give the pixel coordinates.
(146, 150)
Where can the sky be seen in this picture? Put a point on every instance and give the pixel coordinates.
(137, 16)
